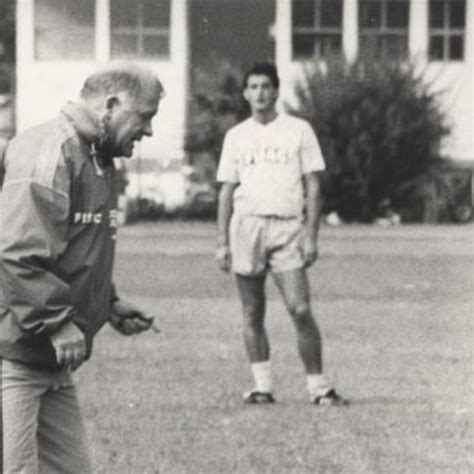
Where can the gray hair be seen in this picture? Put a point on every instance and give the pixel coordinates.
(120, 78)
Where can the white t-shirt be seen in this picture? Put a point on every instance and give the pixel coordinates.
(269, 161)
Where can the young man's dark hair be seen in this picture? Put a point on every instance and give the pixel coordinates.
(263, 69)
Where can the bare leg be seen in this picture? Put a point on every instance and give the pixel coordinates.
(294, 288)
(252, 295)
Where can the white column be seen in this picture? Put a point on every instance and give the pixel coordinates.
(418, 33)
(283, 36)
(284, 49)
(179, 30)
(179, 55)
(469, 55)
(25, 57)
(469, 35)
(25, 32)
(350, 30)
(102, 30)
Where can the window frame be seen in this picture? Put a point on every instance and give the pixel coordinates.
(316, 31)
(139, 32)
(385, 32)
(446, 32)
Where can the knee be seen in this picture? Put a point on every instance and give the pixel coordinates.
(253, 317)
(301, 314)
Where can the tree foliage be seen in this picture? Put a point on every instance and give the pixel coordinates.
(216, 105)
(380, 129)
(379, 124)
(7, 45)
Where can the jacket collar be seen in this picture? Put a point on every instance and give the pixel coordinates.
(86, 121)
(89, 126)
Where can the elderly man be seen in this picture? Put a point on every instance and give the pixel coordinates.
(58, 222)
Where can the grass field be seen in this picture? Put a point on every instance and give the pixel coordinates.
(395, 309)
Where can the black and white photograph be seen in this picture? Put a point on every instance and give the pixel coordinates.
(236, 236)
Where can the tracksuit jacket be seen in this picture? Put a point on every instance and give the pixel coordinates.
(58, 223)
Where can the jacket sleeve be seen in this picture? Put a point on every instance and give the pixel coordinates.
(2, 163)
(33, 232)
(113, 294)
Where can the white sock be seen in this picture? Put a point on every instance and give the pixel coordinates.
(318, 384)
(262, 374)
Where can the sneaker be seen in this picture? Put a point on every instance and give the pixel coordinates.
(330, 398)
(256, 397)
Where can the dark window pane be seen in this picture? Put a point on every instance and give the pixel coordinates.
(83, 13)
(436, 14)
(456, 47)
(124, 45)
(370, 46)
(436, 48)
(135, 28)
(63, 30)
(123, 13)
(328, 45)
(331, 13)
(457, 14)
(369, 14)
(384, 46)
(303, 46)
(303, 13)
(397, 14)
(156, 13)
(395, 46)
(155, 46)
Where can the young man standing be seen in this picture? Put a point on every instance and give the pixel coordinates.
(268, 219)
(58, 219)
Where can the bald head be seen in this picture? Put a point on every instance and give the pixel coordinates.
(125, 98)
(121, 78)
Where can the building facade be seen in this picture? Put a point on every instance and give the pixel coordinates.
(437, 34)
(59, 42)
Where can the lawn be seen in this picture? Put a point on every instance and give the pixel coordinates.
(395, 309)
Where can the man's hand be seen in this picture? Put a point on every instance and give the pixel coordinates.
(128, 319)
(223, 258)
(310, 251)
(70, 346)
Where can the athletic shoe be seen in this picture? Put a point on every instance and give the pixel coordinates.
(330, 398)
(256, 397)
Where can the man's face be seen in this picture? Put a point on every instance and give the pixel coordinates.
(129, 120)
(260, 93)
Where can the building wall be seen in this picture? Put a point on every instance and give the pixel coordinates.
(239, 30)
(43, 86)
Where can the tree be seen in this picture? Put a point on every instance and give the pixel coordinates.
(217, 104)
(7, 45)
(380, 129)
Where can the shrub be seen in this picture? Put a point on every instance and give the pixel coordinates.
(441, 194)
(380, 128)
(217, 104)
(7, 46)
(143, 209)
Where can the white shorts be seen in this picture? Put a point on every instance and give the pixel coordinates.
(262, 243)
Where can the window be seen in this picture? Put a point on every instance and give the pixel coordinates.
(447, 20)
(317, 28)
(383, 28)
(140, 29)
(64, 29)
